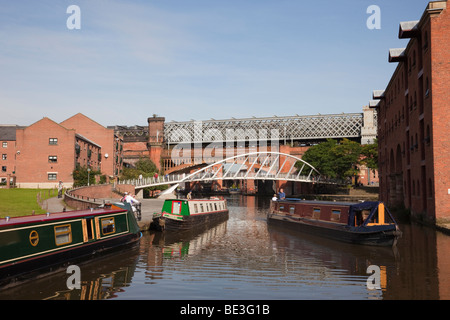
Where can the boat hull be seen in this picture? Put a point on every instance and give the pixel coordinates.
(33, 268)
(33, 245)
(180, 223)
(373, 236)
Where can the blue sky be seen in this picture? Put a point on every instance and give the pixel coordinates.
(194, 59)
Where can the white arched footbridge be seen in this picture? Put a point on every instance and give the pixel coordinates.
(248, 166)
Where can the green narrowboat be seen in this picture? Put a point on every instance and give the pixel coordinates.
(32, 245)
(186, 214)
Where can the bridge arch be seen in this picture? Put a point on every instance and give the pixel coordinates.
(266, 164)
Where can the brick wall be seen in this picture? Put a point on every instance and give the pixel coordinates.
(34, 145)
(440, 93)
(111, 146)
(413, 125)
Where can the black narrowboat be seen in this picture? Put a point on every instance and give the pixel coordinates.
(186, 214)
(366, 223)
(32, 245)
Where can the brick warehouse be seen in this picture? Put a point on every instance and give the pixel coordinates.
(44, 153)
(414, 121)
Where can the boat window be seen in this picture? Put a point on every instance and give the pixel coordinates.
(281, 207)
(292, 209)
(335, 215)
(195, 208)
(201, 207)
(316, 213)
(108, 226)
(63, 234)
(215, 206)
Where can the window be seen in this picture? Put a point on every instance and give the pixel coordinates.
(316, 213)
(53, 141)
(52, 176)
(335, 215)
(195, 208)
(52, 159)
(425, 44)
(108, 226)
(3, 168)
(291, 209)
(4, 156)
(5, 144)
(63, 234)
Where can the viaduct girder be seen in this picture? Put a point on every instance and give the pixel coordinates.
(287, 128)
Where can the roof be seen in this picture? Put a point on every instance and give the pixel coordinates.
(408, 29)
(12, 221)
(8, 132)
(87, 140)
(396, 54)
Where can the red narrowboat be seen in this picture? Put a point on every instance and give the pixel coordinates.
(367, 223)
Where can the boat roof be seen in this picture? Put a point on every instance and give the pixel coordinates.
(325, 202)
(4, 222)
(194, 199)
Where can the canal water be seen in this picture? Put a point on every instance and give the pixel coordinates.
(244, 258)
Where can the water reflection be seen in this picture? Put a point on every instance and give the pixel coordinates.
(245, 258)
(103, 277)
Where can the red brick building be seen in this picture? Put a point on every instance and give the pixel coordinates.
(414, 120)
(46, 152)
(7, 153)
(111, 144)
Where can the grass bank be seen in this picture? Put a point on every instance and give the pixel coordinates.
(19, 202)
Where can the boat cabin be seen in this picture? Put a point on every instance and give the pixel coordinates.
(367, 213)
(30, 242)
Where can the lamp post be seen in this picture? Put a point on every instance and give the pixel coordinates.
(88, 170)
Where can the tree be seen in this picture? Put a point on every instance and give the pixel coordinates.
(147, 169)
(369, 154)
(80, 176)
(144, 167)
(347, 155)
(320, 157)
(334, 159)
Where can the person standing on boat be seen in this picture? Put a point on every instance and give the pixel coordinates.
(281, 194)
(189, 195)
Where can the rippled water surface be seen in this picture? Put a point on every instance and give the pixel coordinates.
(245, 258)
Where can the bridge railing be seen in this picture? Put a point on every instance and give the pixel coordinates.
(201, 176)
